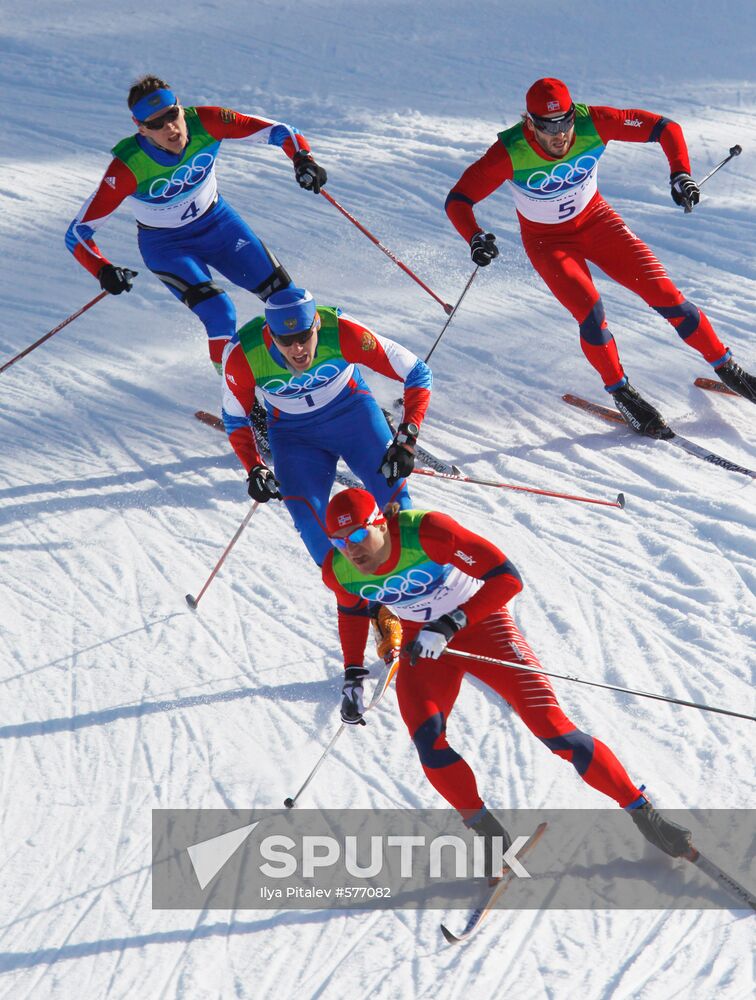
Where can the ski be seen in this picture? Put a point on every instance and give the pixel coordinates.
(735, 889)
(714, 385)
(673, 438)
(262, 442)
(479, 914)
(428, 459)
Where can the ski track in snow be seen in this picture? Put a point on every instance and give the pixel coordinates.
(114, 502)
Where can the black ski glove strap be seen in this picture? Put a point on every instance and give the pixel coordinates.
(483, 249)
(115, 279)
(399, 460)
(309, 175)
(262, 485)
(684, 191)
(352, 699)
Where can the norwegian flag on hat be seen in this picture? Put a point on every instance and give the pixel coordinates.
(548, 96)
(352, 506)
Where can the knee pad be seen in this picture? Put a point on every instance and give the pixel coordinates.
(593, 329)
(425, 739)
(217, 312)
(576, 747)
(686, 314)
(276, 281)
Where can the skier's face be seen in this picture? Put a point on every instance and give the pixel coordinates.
(299, 349)
(368, 554)
(168, 131)
(555, 145)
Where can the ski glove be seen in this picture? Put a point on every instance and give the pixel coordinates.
(685, 191)
(262, 485)
(116, 279)
(434, 637)
(309, 175)
(483, 249)
(352, 703)
(388, 633)
(399, 460)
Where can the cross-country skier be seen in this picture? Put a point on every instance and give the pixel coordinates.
(551, 160)
(303, 358)
(450, 587)
(185, 226)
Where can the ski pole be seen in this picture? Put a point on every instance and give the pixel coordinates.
(377, 696)
(619, 502)
(452, 313)
(388, 253)
(60, 326)
(399, 401)
(607, 687)
(194, 601)
(734, 151)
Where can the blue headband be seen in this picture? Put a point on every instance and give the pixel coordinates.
(158, 100)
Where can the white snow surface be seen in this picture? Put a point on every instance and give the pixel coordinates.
(114, 502)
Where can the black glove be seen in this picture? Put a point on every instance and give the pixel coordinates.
(309, 175)
(352, 703)
(399, 460)
(116, 279)
(434, 637)
(262, 485)
(685, 191)
(483, 249)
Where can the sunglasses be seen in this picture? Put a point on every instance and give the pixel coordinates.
(356, 536)
(553, 126)
(156, 123)
(290, 339)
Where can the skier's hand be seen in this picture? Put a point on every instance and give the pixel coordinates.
(684, 191)
(116, 279)
(388, 634)
(399, 460)
(352, 700)
(483, 249)
(309, 175)
(262, 485)
(434, 637)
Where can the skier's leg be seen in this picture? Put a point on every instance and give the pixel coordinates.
(627, 260)
(426, 695)
(306, 474)
(565, 272)
(188, 278)
(533, 698)
(365, 435)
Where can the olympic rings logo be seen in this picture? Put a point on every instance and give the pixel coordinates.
(300, 384)
(395, 588)
(188, 175)
(563, 175)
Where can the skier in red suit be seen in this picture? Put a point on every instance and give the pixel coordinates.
(450, 587)
(551, 159)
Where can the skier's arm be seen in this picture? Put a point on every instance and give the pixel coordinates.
(480, 180)
(363, 347)
(117, 183)
(223, 123)
(636, 125)
(446, 541)
(353, 617)
(238, 400)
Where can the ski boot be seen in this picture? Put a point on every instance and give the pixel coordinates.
(639, 413)
(485, 825)
(669, 837)
(738, 380)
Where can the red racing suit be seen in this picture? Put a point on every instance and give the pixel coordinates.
(566, 223)
(470, 573)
